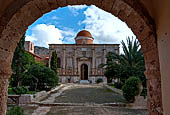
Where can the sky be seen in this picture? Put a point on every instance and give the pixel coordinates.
(61, 26)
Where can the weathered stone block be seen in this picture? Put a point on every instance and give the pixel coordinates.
(117, 7)
(43, 5)
(107, 5)
(53, 4)
(72, 2)
(62, 3)
(149, 43)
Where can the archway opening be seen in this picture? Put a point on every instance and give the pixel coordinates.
(84, 72)
(136, 18)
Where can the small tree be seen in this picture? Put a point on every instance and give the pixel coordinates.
(53, 62)
(20, 63)
(131, 88)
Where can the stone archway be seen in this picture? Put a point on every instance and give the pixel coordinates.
(20, 14)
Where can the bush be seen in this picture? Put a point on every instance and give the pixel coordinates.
(144, 92)
(131, 89)
(10, 91)
(20, 90)
(118, 85)
(99, 80)
(16, 110)
(40, 77)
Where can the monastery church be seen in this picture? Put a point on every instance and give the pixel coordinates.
(79, 62)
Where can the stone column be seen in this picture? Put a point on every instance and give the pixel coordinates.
(64, 60)
(104, 58)
(75, 61)
(93, 61)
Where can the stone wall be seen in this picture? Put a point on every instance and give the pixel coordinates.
(41, 51)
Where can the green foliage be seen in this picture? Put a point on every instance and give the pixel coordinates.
(20, 90)
(130, 63)
(40, 77)
(53, 62)
(99, 80)
(16, 110)
(144, 92)
(20, 64)
(10, 91)
(131, 88)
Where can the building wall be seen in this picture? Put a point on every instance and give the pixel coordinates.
(29, 46)
(72, 56)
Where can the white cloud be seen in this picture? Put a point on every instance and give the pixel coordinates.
(69, 35)
(75, 8)
(105, 27)
(43, 34)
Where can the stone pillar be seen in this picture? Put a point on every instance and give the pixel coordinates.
(64, 60)
(104, 56)
(3, 93)
(93, 61)
(154, 93)
(152, 73)
(75, 61)
(104, 59)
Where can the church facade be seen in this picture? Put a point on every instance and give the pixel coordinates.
(81, 61)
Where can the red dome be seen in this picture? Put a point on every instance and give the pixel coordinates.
(84, 33)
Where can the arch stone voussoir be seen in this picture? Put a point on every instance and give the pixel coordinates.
(148, 43)
(43, 5)
(53, 4)
(72, 2)
(117, 7)
(107, 5)
(62, 3)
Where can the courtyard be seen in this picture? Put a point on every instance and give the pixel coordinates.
(78, 99)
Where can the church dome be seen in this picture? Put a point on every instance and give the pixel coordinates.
(84, 37)
(84, 33)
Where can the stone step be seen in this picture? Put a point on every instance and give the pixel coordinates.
(81, 104)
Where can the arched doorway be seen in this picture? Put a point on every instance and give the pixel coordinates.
(19, 15)
(84, 72)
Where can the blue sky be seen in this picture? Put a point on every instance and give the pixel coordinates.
(61, 26)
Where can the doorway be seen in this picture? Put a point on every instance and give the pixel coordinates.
(84, 72)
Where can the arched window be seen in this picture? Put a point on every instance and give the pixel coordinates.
(58, 62)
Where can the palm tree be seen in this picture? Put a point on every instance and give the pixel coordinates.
(129, 63)
(132, 54)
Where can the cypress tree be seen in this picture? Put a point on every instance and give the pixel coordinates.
(53, 62)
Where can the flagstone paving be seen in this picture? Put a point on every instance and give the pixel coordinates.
(72, 110)
(90, 100)
(89, 94)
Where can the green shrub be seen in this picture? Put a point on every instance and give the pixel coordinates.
(16, 110)
(20, 90)
(131, 89)
(10, 91)
(118, 85)
(40, 78)
(99, 80)
(144, 92)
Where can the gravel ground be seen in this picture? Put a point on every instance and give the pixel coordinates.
(89, 94)
(94, 111)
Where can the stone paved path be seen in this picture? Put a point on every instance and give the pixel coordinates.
(72, 110)
(89, 94)
(89, 99)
